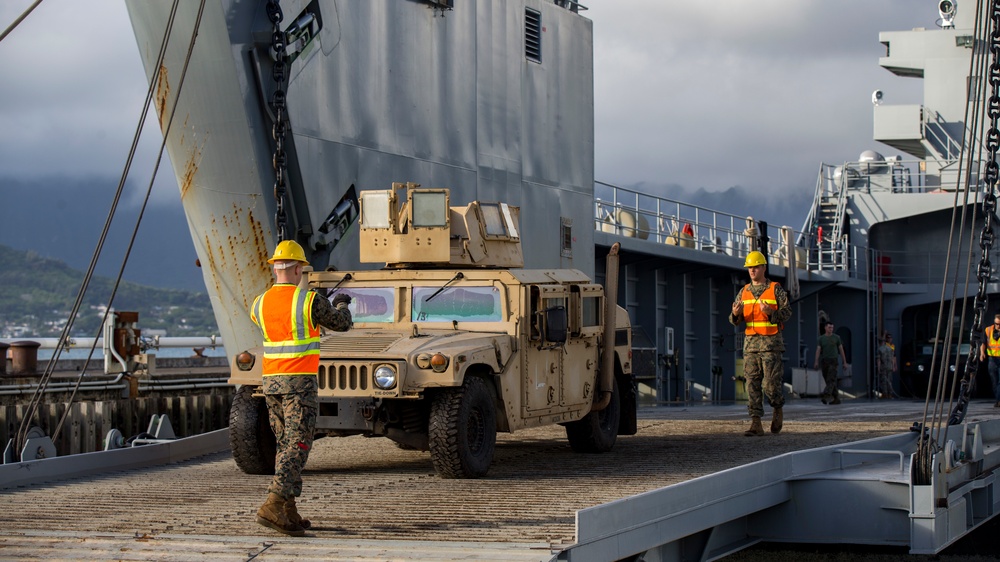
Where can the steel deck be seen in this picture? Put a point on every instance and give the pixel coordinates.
(370, 500)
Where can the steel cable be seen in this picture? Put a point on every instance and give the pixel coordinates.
(33, 404)
(145, 202)
(19, 19)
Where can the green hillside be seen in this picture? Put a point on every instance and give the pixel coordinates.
(37, 295)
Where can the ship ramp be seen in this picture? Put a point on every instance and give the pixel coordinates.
(688, 486)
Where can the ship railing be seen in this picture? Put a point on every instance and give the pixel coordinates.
(938, 136)
(77, 347)
(894, 175)
(570, 5)
(945, 139)
(633, 214)
(902, 267)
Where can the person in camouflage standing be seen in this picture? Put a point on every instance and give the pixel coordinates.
(828, 348)
(763, 306)
(886, 366)
(289, 318)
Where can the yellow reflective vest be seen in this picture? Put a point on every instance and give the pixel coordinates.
(992, 345)
(758, 322)
(291, 338)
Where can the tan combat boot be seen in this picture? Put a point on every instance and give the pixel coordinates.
(272, 514)
(776, 419)
(293, 514)
(755, 427)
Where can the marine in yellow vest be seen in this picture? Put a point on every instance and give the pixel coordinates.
(762, 305)
(289, 317)
(991, 348)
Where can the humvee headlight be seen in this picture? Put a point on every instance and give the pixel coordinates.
(385, 377)
(439, 362)
(920, 368)
(245, 361)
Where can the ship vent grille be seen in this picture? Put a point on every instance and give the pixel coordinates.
(343, 377)
(357, 343)
(533, 35)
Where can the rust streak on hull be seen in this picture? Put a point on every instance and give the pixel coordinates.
(162, 94)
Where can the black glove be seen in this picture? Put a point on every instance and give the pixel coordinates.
(341, 298)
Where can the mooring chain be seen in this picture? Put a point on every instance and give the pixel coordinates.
(279, 71)
(987, 236)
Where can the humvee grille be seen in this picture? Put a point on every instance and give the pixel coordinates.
(343, 377)
(357, 343)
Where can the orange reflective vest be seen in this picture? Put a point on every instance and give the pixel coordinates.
(992, 345)
(757, 321)
(291, 338)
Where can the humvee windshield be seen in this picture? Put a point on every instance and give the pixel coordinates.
(466, 304)
(371, 304)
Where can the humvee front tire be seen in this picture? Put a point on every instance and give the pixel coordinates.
(250, 435)
(597, 431)
(462, 431)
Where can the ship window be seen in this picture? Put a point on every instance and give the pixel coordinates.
(566, 237)
(465, 304)
(533, 35)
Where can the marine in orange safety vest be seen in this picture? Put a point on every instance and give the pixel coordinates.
(289, 317)
(991, 348)
(763, 306)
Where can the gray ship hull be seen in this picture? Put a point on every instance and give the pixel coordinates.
(390, 90)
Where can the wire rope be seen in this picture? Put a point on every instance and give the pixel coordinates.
(19, 19)
(33, 404)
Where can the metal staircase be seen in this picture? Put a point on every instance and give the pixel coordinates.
(827, 218)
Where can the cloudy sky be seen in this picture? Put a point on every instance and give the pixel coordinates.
(696, 94)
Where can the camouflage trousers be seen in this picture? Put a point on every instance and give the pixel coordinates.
(885, 381)
(765, 375)
(829, 367)
(292, 407)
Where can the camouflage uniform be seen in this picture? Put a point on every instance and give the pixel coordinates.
(886, 364)
(762, 365)
(829, 349)
(292, 407)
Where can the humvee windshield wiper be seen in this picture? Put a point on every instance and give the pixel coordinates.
(443, 287)
(332, 290)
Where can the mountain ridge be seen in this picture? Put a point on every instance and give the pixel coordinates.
(37, 295)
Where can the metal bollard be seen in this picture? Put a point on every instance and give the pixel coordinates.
(3, 358)
(24, 357)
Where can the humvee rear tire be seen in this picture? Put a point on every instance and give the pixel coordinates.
(463, 431)
(597, 431)
(250, 435)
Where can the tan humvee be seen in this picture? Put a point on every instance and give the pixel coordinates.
(452, 342)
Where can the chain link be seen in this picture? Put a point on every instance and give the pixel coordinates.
(987, 236)
(280, 127)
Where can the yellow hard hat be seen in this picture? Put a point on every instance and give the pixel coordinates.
(288, 250)
(755, 258)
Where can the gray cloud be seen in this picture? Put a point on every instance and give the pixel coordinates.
(717, 94)
(699, 94)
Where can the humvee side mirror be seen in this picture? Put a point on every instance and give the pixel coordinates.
(556, 320)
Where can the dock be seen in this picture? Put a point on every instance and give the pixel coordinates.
(370, 500)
